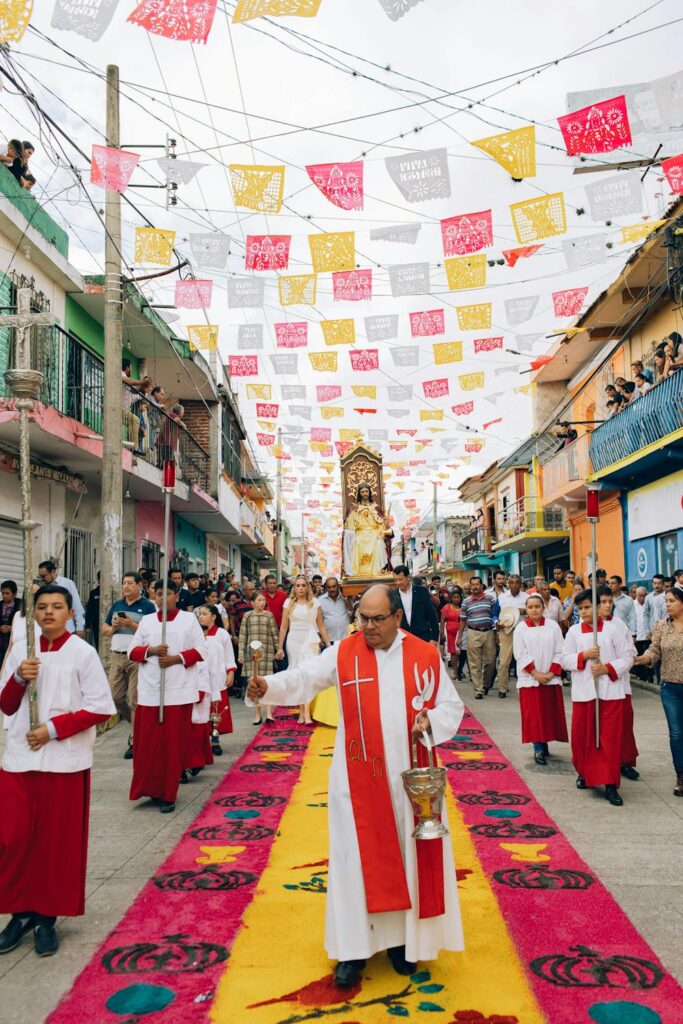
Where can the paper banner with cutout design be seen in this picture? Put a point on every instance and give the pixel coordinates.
(378, 435)
(321, 433)
(447, 352)
(250, 336)
(427, 414)
(176, 19)
(332, 250)
(637, 232)
(406, 355)
(331, 412)
(258, 187)
(487, 344)
(471, 381)
(88, 20)
(301, 411)
(521, 308)
(349, 434)
(323, 362)
(267, 410)
(474, 318)
(152, 245)
(291, 335)
(396, 9)
(515, 151)
(339, 332)
(525, 342)
(435, 388)
(246, 292)
(284, 363)
(409, 279)
(399, 413)
(462, 409)
(523, 252)
(585, 251)
(298, 290)
(266, 425)
(381, 328)
(193, 294)
(267, 252)
(243, 366)
(403, 233)
(262, 391)
(265, 440)
(539, 218)
(616, 196)
(352, 285)
(246, 10)
(525, 389)
(327, 392)
(466, 272)
(203, 336)
(600, 128)
(420, 176)
(428, 323)
(14, 18)
(569, 301)
(210, 251)
(475, 445)
(466, 233)
(400, 392)
(180, 172)
(673, 171)
(364, 390)
(112, 169)
(296, 392)
(364, 359)
(341, 183)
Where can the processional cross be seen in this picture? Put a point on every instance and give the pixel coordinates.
(24, 383)
(356, 682)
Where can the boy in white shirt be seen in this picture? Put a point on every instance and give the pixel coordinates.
(629, 749)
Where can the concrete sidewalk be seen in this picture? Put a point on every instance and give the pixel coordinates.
(637, 850)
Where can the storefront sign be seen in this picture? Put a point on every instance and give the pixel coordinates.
(656, 508)
(10, 464)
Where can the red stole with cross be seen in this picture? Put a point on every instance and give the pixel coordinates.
(386, 886)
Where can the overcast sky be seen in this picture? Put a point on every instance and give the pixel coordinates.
(289, 87)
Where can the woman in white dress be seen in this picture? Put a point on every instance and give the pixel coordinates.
(303, 626)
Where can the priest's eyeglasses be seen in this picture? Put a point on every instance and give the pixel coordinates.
(366, 620)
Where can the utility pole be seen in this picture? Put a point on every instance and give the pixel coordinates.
(303, 542)
(435, 511)
(112, 476)
(278, 511)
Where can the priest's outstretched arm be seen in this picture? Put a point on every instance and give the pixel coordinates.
(446, 715)
(300, 685)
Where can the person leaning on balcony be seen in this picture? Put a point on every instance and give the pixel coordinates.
(130, 387)
(626, 389)
(638, 368)
(667, 646)
(642, 385)
(662, 364)
(156, 408)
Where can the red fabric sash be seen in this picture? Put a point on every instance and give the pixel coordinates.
(386, 886)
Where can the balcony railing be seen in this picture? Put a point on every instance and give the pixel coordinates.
(478, 541)
(570, 465)
(73, 384)
(643, 422)
(527, 516)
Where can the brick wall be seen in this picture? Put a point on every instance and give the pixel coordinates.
(196, 419)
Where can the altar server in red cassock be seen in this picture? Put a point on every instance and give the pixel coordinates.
(221, 667)
(597, 671)
(386, 890)
(160, 747)
(537, 645)
(45, 775)
(629, 748)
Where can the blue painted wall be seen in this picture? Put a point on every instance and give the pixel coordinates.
(192, 540)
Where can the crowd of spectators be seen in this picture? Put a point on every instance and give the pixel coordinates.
(668, 359)
(16, 160)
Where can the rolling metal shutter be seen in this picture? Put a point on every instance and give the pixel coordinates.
(11, 553)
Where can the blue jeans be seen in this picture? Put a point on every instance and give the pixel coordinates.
(672, 700)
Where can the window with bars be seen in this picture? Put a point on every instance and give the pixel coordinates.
(79, 560)
(151, 555)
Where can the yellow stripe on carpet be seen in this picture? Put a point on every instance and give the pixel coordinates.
(278, 972)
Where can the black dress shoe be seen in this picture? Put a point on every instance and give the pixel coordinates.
(45, 939)
(502, 693)
(580, 782)
(216, 749)
(540, 759)
(128, 756)
(479, 696)
(11, 936)
(194, 772)
(183, 780)
(612, 795)
(347, 973)
(629, 772)
(397, 955)
(166, 807)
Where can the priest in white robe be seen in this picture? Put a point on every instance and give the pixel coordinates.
(386, 890)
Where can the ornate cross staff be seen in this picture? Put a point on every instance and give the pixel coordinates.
(24, 383)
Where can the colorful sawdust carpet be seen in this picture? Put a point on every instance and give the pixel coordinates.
(230, 928)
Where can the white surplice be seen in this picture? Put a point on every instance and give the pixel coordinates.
(351, 933)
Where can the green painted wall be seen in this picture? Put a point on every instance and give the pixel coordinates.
(24, 202)
(89, 331)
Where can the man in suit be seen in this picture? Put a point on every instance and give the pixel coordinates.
(419, 613)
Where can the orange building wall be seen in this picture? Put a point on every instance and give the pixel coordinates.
(610, 537)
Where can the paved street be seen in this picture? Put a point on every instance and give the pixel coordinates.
(636, 850)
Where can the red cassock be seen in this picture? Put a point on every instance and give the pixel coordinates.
(160, 751)
(543, 718)
(598, 766)
(225, 725)
(629, 750)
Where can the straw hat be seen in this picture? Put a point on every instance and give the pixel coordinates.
(509, 617)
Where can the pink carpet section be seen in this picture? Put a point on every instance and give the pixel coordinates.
(170, 948)
(584, 958)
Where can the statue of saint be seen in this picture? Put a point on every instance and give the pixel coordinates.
(365, 531)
